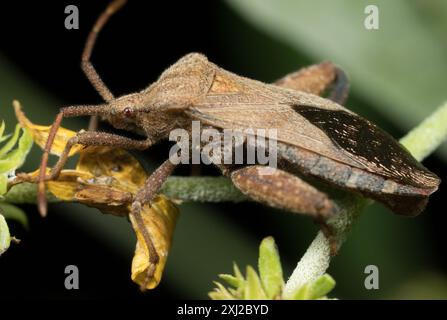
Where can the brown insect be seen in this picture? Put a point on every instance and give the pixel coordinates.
(317, 137)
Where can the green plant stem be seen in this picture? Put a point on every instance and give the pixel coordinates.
(202, 189)
(426, 137)
(197, 189)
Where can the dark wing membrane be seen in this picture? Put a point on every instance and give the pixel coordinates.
(370, 145)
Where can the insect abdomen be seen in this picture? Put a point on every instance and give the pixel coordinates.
(402, 199)
(364, 142)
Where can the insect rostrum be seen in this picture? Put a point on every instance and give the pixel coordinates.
(316, 137)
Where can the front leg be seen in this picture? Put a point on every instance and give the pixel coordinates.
(144, 196)
(88, 138)
(92, 138)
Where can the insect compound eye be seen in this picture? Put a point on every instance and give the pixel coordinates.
(128, 112)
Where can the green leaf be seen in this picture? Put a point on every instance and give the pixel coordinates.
(10, 161)
(253, 287)
(322, 286)
(11, 143)
(236, 293)
(270, 269)
(3, 184)
(4, 138)
(317, 289)
(237, 281)
(2, 130)
(5, 237)
(12, 212)
(15, 158)
(220, 293)
(237, 272)
(303, 292)
(232, 280)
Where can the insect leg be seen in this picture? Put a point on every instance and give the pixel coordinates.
(283, 190)
(340, 88)
(90, 138)
(86, 64)
(85, 138)
(316, 79)
(144, 196)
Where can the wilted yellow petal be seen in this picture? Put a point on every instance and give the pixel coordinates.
(126, 176)
(40, 133)
(105, 198)
(68, 184)
(160, 222)
(65, 187)
(127, 172)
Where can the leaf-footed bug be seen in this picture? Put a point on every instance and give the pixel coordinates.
(317, 137)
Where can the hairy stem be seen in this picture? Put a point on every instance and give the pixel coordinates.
(197, 189)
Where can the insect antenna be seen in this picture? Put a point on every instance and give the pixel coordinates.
(87, 66)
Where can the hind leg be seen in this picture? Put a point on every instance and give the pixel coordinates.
(282, 190)
(317, 79)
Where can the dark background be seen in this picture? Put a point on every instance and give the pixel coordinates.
(39, 61)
